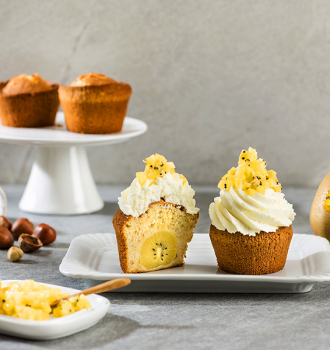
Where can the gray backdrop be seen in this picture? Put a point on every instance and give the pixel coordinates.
(209, 78)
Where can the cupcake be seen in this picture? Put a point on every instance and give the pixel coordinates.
(95, 104)
(251, 221)
(155, 219)
(28, 101)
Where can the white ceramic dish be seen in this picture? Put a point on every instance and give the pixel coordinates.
(56, 327)
(94, 257)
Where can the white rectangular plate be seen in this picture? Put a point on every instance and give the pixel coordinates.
(56, 327)
(94, 257)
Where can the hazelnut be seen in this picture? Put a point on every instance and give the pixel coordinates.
(28, 243)
(5, 222)
(45, 233)
(6, 238)
(20, 226)
(14, 254)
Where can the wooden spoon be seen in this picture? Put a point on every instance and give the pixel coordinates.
(100, 288)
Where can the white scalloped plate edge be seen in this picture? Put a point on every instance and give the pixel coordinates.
(306, 245)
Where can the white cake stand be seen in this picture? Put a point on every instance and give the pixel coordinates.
(61, 181)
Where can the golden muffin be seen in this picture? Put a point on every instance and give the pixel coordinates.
(28, 101)
(95, 104)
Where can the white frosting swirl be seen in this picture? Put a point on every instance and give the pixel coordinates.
(135, 200)
(235, 211)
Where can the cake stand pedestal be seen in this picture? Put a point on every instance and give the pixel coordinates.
(61, 181)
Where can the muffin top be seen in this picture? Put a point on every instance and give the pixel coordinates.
(92, 79)
(158, 181)
(25, 84)
(250, 199)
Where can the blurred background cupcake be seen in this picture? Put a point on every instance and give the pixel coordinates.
(95, 104)
(28, 101)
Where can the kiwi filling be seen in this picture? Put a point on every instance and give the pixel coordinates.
(158, 250)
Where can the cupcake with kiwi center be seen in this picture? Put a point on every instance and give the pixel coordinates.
(251, 220)
(156, 218)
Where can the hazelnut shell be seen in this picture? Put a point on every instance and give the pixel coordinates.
(20, 226)
(6, 238)
(45, 233)
(28, 243)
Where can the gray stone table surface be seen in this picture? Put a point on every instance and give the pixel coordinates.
(175, 321)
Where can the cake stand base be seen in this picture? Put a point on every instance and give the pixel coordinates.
(61, 182)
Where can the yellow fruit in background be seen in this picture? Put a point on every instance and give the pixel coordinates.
(158, 250)
(319, 217)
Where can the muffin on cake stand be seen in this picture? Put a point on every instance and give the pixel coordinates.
(61, 181)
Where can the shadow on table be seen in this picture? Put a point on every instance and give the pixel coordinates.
(109, 329)
(320, 291)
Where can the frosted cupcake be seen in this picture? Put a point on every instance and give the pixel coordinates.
(155, 219)
(251, 221)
